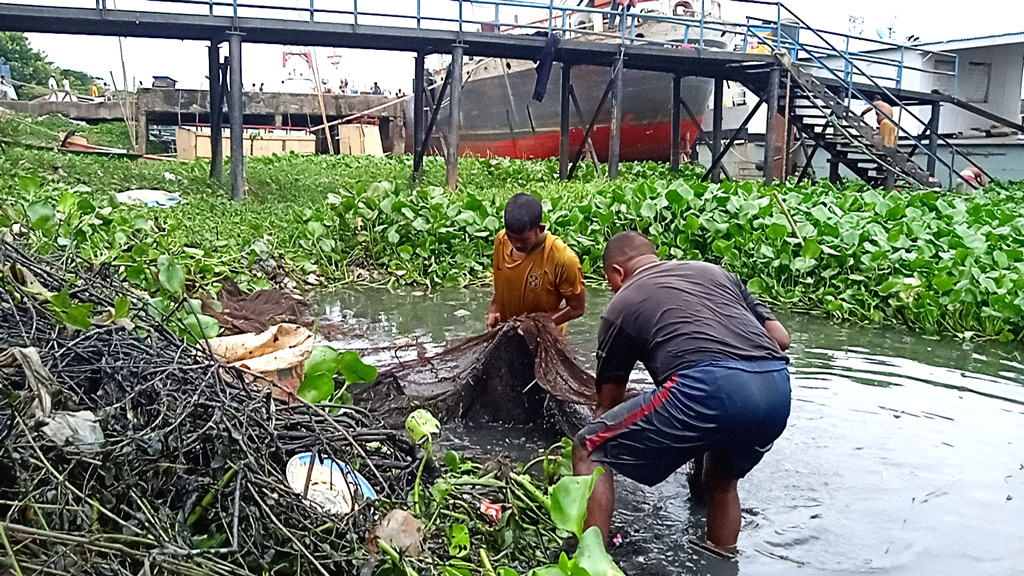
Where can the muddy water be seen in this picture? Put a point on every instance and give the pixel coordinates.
(904, 454)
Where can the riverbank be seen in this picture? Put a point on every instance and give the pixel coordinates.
(935, 261)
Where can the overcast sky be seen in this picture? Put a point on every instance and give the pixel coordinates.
(932, 20)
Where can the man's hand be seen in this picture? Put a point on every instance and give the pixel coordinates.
(493, 319)
(778, 333)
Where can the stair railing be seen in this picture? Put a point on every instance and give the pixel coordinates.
(854, 91)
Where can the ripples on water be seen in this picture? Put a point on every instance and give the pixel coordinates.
(904, 455)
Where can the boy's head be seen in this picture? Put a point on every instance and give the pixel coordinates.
(523, 226)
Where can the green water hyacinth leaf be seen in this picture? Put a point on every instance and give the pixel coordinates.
(593, 557)
(354, 370)
(170, 274)
(422, 425)
(316, 388)
(323, 359)
(41, 216)
(811, 249)
(458, 540)
(200, 327)
(569, 501)
(778, 231)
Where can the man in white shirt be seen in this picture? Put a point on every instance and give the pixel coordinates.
(67, 91)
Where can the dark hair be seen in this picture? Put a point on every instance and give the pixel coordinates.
(627, 246)
(523, 212)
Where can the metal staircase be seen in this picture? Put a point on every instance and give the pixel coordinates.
(825, 119)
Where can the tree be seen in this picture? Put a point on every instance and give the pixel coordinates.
(31, 66)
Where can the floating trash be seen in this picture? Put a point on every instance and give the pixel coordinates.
(333, 486)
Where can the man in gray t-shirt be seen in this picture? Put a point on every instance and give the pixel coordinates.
(716, 354)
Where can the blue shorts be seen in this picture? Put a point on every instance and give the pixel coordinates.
(733, 409)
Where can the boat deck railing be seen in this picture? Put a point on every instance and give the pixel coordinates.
(888, 61)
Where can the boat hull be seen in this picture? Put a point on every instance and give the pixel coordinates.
(499, 116)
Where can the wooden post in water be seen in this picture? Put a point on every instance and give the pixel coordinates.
(418, 86)
(235, 112)
(933, 137)
(615, 137)
(216, 139)
(772, 127)
(454, 117)
(563, 141)
(677, 96)
(716, 128)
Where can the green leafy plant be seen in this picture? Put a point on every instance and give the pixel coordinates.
(321, 370)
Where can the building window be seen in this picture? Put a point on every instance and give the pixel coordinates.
(975, 89)
(944, 81)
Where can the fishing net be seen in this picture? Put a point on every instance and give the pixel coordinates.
(521, 373)
(126, 450)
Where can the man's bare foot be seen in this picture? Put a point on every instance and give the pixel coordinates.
(727, 553)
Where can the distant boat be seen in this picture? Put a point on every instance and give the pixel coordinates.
(500, 118)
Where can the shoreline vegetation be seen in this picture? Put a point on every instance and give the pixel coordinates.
(936, 261)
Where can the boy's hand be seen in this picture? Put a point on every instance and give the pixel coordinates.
(493, 319)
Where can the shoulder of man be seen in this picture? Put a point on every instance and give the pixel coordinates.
(557, 247)
(500, 237)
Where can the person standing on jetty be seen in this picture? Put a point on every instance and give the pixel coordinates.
(534, 270)
(716, 354)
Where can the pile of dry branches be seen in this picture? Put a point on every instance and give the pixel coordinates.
(189, 476)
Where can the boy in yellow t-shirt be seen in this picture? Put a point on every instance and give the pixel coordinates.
(534, 270)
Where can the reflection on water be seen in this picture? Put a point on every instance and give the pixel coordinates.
(904, 454)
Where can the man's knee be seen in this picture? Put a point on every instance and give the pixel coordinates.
(716, 477)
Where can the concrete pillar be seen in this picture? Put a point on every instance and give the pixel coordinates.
(563, 141)
(615, 138)
(933, 137)
(216, 103)
(278, 119)
(772, 127)
(454, 118)
(142, 130)
(235, 112)
(417, 111)
(716, 128)
(677, 96)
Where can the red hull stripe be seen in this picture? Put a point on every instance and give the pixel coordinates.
(633, 417)
(639, 142)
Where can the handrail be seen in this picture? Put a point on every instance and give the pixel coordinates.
(817, 46)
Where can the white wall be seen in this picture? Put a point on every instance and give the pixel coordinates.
(1004, 91)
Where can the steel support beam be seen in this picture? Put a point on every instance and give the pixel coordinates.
(615, 137)
(216, 118)
(772, 127)
(454, 117)
(933, 137)
(677, 98)
(235, 113)
(587, 145)
(419, 144)
(702, 136)
(716, 128)
(732, 140)
(834, 177)
(807, 163)
(563, 140)
(590, 127)
(428, 132)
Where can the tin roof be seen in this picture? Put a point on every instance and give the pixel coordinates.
(974, 41)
